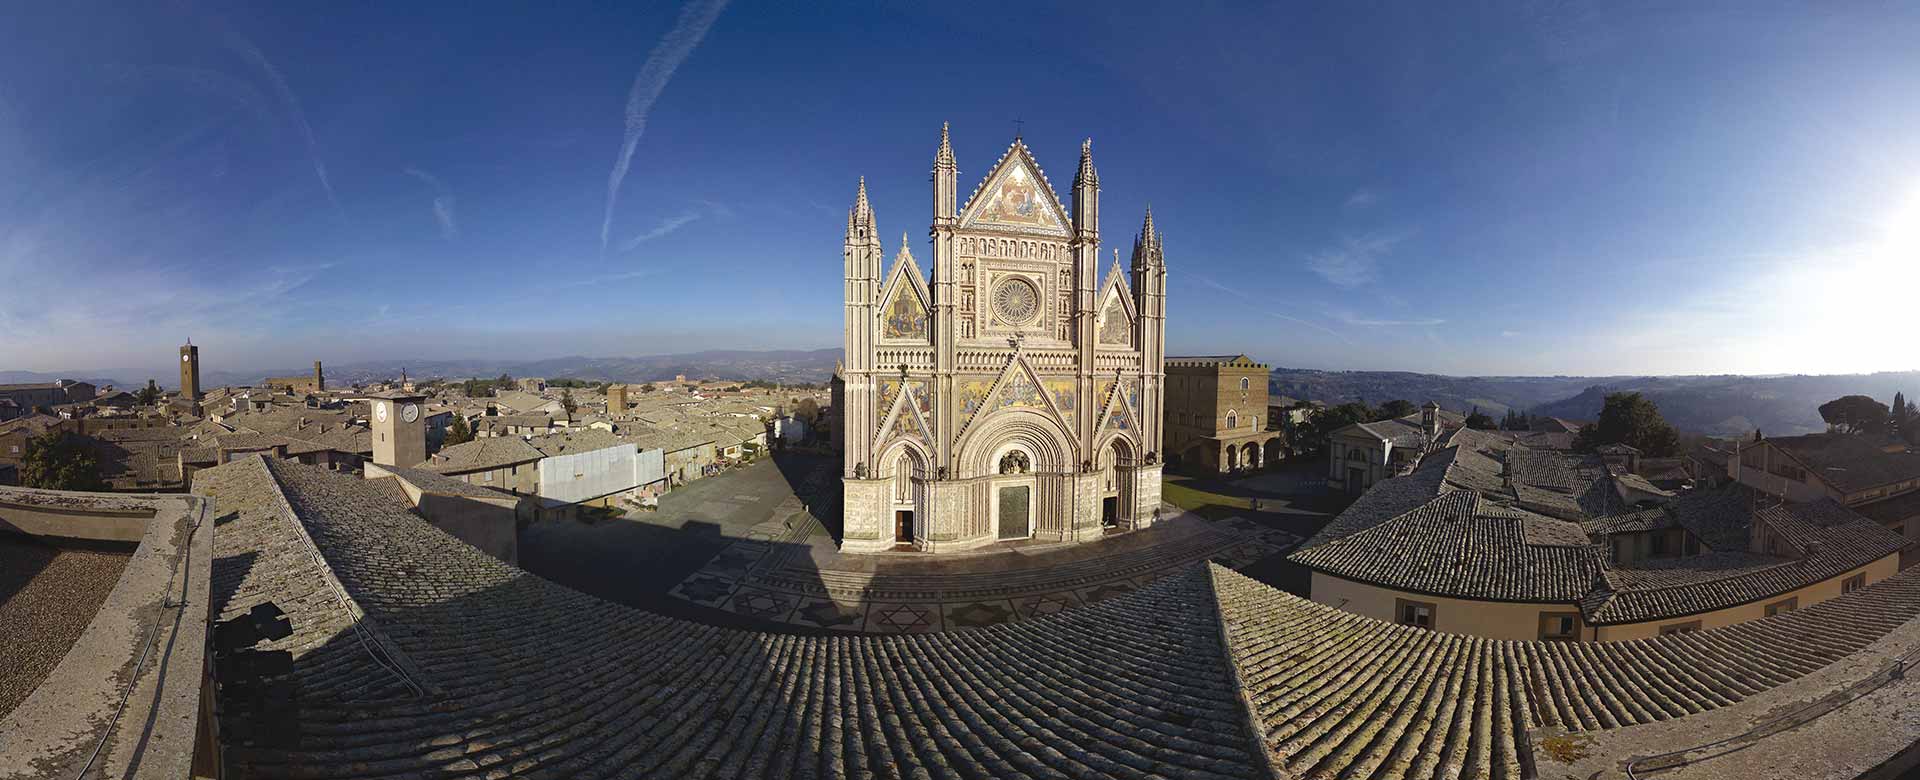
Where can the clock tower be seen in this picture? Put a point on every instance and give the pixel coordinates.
(399, 429)
(190, 371)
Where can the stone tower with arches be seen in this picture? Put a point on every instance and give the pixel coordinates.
(1015, 393)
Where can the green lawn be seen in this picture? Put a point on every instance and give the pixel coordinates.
(1195, 500)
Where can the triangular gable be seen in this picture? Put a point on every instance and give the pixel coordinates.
(1117, 415)
(1016, 195)
(1114, 326)
(907, 418)
(1018, 387)
(904, 313)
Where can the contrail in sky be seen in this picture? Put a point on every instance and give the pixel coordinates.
(292, 103)
(673, 49)
(442, 203)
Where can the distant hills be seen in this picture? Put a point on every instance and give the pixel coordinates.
(1722, 405)
(784, 366)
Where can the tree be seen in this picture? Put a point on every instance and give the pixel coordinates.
(149, 395)
(505, 382)
(1897, 423)
(1479, 421)
(457, 433)
(1319, 428)
(1910, 423)
(479, 388)
(647, 388)
(1630, 419)
(807, 411)
(1855, 414)
(57, 460)
(1397, 408)
(566, 401)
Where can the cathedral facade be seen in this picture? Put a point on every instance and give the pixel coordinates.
(1016, 394)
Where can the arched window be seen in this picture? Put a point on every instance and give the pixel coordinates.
(1233, 420)
(1244, 383)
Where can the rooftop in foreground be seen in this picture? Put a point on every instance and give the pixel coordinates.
(420, 656)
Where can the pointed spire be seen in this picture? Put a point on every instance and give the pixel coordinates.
(1147, 234)
(944, 158)
(904, 253)
(1086, 174)
(860, 205)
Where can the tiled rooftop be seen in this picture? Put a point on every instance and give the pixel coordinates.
(1202, 675)
(1533, 529)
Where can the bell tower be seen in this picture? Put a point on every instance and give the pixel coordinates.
(190, 371)
(399, 429)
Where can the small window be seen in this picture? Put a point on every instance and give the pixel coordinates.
(1244, 383)
(1233, 420)
(1680, 628)
(1560, 626)
(1787, 605)
(489, 476)
(1418, 614)
(1853, 583)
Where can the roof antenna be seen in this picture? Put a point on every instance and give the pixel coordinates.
(1017, 123)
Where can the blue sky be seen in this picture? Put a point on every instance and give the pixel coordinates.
(1539, 188)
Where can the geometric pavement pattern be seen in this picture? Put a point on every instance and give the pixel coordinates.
(735, 580)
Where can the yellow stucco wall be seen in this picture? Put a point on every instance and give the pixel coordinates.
(1808, 596)
(1512, 620)
(1491, 619)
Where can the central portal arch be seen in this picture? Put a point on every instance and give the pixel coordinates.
(1019, 461)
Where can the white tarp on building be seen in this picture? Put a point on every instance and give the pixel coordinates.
(589, 475)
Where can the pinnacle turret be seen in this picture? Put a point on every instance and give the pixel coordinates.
(861, 208)
(904, 253)
(1086, 175)
(943, 159)
(1147, 243)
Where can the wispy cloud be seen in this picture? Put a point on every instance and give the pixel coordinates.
(443, 211)
(665, 227)
(695, 19)
(1362, 198)
(601, 280)
(291, 103)
(1371, 322)
(1356, 261)
(1209, 282)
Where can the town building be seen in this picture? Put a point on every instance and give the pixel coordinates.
(17, 400)
(1362, 454)
(1875, 476)
(1016, 396)
(1489, 538)
(315, 383)
(1217, 414)
(506, 463)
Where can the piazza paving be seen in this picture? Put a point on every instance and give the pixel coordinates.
(788, 571)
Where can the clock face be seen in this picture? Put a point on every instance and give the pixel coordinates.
(1016, 301)
(409, 412)
(186, 358)
(380, 411)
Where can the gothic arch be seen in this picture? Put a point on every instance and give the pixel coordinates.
(906, 463)
(1049, 446)
(1121, 450)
